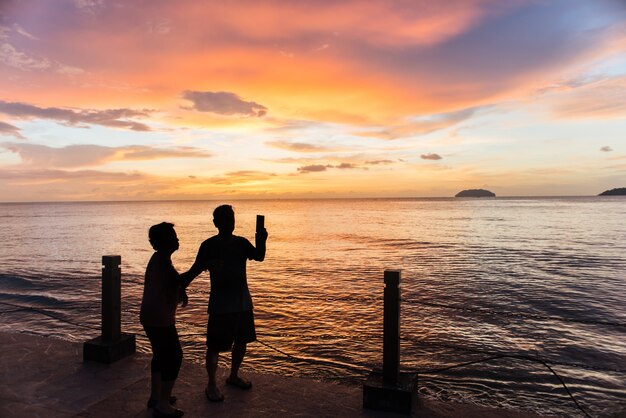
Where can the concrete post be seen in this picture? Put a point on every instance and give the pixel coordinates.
(389, 389)
(112, 345)
(391, 327)
(111, 298)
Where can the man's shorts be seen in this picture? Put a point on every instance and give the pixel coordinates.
(225, 329)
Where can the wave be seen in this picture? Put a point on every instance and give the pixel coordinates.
(36, 301)
(10, 282)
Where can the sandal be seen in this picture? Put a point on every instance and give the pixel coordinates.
(152, 402)
(239, 383)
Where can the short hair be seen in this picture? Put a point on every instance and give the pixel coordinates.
(157, 234)
(223, 212)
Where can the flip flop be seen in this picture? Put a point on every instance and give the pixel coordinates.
(177, 413)
(239, 383)
(213, 397)
(153, 402)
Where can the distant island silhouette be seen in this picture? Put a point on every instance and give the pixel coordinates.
(620, 191)
(475, 193)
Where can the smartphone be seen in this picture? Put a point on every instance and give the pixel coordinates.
(260, 222)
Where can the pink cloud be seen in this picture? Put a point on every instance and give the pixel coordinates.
(599, 99)
(72, 156)
(114, 118)
(8, 129)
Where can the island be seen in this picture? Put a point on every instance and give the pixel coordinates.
(620, 191)
(475, 193)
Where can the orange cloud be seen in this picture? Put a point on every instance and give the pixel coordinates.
(300, 146)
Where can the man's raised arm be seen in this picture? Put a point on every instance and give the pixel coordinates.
(260, 239)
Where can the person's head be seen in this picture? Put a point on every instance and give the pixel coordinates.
(163, 237)
(224, 219)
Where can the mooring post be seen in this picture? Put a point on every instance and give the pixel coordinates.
(390, 389)
(391, 327)
(111, 297)
(112, 345)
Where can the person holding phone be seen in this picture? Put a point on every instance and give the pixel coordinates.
(231, 319)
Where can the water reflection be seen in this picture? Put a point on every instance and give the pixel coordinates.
(317, 296)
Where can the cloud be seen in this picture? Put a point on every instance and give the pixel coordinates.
(377, 162)
(315, 168)
(24, 33)
(47, 176)
(606, 149)
(223, 103)
(432, 156)
(323, 163)
(346, 165)
(298, 146)
(422, 125)
(72, 156)
(69, 70)
(91, 7)
(53, 176)
(599, 99)
(15, 58)
(402, 22)
(20, 60)
(159, 26)
(7, 129)
(112, 118)
(238, 177)
(54, 185)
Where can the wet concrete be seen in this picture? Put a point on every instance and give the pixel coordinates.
(45, 377)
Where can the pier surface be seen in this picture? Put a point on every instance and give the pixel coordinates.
(45, 377)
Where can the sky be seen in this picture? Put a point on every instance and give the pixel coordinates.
(194, 99)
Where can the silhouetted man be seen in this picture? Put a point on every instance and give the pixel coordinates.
(231, 320)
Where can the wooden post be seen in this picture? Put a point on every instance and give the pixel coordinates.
(391, 327)
(111, 298)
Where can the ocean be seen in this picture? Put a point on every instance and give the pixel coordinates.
(540, 280)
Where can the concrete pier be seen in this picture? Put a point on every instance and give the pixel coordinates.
(42, 376)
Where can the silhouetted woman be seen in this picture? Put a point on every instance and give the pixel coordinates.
(158, 317)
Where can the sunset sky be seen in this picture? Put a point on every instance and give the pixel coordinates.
(197, 99)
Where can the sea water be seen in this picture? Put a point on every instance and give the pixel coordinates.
(542, 279)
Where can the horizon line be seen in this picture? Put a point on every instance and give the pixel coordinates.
(309, 198)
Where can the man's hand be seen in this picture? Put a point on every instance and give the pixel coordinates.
(183, 299)
(261, 235)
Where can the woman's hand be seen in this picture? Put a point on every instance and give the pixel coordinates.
(183, 299)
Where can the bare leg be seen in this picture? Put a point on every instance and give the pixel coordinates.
(211, 365)
(155, 391)
(212, 390)
(164, 397)
(238, 353)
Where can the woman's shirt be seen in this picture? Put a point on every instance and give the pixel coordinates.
(160, 292)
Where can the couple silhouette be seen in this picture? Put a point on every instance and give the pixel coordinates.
(230, 317)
